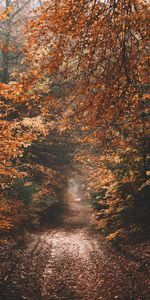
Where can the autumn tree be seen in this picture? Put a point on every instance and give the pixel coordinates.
(14, 19)
(102, 48)
(24, 102)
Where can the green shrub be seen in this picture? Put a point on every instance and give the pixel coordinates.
(23, 190)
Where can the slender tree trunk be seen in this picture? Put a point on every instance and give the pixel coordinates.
(5, 51)
(5, 71)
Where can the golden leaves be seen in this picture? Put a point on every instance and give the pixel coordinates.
(4, 15)
(116, 234)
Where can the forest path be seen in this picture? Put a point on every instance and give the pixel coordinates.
(70, 262)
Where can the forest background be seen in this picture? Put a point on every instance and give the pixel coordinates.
(74, 96)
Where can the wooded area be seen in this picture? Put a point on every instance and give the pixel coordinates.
(74, 102)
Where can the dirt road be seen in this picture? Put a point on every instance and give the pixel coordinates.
(70, 262)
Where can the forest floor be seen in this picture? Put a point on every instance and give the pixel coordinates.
(71, 261)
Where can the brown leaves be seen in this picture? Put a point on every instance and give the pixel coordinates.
(10, 214)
